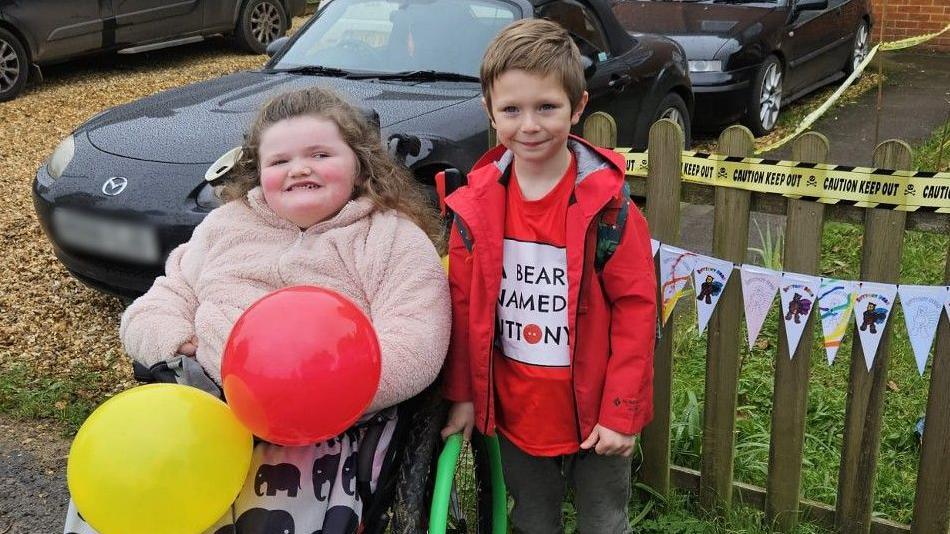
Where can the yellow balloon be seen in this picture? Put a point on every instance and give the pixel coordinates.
(445, 262)
(160, 458)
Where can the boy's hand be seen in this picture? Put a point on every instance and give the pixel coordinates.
(189, 347)
(461, 419)
(606, 442)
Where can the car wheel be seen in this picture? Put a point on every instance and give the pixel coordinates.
(861, 47)
(14, 66)
(765, 99)
(671, 107)
(260, 23)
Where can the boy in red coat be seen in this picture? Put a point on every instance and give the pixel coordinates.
(549, 351)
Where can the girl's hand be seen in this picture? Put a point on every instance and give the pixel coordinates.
(189, 347)
(609, 443)
(461, 419)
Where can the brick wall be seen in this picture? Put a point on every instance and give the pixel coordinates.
(907, 18)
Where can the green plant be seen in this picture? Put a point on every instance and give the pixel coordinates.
(770, 253)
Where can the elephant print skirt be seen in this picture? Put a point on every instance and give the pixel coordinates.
(298, 490)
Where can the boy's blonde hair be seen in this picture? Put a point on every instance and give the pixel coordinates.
(387, 184)
(539, 47)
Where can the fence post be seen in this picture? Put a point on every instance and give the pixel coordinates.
(932, 500)
(663, 214)
(790, 397)
(600, 129)
(730, 240)
(880, 262)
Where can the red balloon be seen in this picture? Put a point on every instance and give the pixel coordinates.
(300, 365)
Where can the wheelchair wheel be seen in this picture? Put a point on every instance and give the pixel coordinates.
(470, 500)
(469, 495)
(409, 512)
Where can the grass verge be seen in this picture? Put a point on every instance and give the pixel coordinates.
(905, 399)
(934, 154)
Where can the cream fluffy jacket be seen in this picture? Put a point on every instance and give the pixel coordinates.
(243, 250)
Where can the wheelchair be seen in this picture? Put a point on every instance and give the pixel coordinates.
(423, 484)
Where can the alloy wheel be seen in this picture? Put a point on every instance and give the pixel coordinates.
(770, 98)
(861, 43)
(9, 66)
(674, 115)
(265, 22)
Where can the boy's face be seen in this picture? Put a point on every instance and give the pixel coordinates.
(532, 115)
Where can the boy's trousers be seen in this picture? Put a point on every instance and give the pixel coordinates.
(538, 486)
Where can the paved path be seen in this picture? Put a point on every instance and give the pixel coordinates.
(915, 102)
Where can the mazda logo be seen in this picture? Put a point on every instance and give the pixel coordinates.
(115, 185)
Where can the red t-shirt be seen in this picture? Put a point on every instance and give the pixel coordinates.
(532, 369)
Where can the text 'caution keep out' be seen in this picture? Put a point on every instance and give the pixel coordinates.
(830, 184)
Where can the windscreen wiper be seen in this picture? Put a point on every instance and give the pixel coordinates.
(316, 70)
(418, 76)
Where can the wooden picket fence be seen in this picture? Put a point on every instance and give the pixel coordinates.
(781, 498)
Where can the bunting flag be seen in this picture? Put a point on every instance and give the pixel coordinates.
(655, 245)
(835, 303)
(709, 279)
(798, 294)
(758, 292)
(676, 265)
(922, 306)
(873, 304)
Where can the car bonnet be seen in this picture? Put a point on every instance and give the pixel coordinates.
(197, 123)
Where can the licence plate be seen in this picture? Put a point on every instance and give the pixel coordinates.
(114, 239)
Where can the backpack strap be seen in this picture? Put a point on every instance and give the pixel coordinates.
(446, 182)
(610, 225)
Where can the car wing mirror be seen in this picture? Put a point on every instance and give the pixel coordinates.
(276, 46)
(803, 5)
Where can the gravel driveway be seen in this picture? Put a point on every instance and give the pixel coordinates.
(50, 324)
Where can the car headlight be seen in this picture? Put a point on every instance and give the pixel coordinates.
(60, 158)
(704, 65)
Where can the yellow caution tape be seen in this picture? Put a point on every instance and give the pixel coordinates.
(830, 184)
(912, 41)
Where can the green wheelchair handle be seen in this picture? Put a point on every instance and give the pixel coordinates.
(445, 474)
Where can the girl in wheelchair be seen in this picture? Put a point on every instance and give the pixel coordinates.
(315, 200)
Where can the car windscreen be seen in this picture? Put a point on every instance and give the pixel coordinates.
(400, 35)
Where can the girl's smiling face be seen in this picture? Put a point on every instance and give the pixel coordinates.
(308, 172)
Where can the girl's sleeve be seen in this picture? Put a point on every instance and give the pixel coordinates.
(157, 323)
(411, 315)
(629, 279)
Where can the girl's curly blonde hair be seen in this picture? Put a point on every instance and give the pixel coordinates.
(387, 184)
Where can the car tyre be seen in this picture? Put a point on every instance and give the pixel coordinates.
(259, 24)
(672, 107)
(859, 48)
(765, 98)
(14, 66)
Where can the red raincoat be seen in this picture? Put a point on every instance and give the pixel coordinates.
(611, 317)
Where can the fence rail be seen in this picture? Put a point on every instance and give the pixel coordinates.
(781, 498)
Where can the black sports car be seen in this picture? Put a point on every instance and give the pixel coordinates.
(747, 58)
(41, 32)
(126, 187)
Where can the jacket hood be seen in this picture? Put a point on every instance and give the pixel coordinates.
(701, 28)
(199, 122)
(589, 160)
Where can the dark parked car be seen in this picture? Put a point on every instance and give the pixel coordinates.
(749, 57)
(126, 187)
(40, 32)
